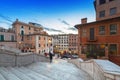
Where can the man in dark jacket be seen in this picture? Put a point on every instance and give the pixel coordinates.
(51, 57)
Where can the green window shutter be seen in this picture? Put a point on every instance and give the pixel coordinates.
(1, 37)
(22, 32)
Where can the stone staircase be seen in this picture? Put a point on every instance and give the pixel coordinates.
(44, 71)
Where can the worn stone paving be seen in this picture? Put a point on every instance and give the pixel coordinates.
(57, 70)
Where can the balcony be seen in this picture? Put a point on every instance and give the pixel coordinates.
(93, 39)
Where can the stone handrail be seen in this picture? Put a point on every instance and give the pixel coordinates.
(6, 48)
(96, 70)
(22, 59)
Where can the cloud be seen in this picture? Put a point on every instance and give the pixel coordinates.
(54, 30)
(5, 24)
(64, 22)
(51, 29)
(6, 18)
(74, 29)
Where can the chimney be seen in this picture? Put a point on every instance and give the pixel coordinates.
(83, 20)
(16, 20)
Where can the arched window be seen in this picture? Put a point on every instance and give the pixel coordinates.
(22, 27)
(22, 32)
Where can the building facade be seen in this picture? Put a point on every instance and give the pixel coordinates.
(101, 38)
(73, 43)
(106, 9)
(65, 43)
(31, 37)
(7, 38)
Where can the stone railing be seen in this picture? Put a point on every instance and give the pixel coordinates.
(13, 59)
(99, 69)
(6, 48)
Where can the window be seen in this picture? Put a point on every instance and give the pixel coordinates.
(102, 30)
(39, 51)
(113, 29)
(22, 32)
(102, 14)
(111, 0)
(84, 33)
(22, 27)
(39, 45)
(102, 1)
(29, 28)
(12, 38)
(113, 11)
(113, 49)
(1, 37)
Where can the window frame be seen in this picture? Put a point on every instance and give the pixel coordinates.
(102, 14)
(112, 48)
(113, 11)
(113, 31)
(102, 2)
(101, 30)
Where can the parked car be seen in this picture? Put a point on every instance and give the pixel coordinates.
(74, 56)
(70, 56)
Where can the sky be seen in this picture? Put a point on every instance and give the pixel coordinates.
(55, 16)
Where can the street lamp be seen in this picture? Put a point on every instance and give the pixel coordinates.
(19, 45)
(106, 50)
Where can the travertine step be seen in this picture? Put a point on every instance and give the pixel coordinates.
(8, 75)
(32, 74)
(1, 77)
(58, 70)
(19, 74)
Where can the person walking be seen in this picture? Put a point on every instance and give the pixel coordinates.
(50, 56)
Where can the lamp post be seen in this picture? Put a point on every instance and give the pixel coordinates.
(56, 49)
(106, 50)
(19, 45)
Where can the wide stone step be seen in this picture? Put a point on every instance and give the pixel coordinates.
(1, 77)
(50, 71)
(59, 71)
(8, 75)
(19, 74)
(32, 74)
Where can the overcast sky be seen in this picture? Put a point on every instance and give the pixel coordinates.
(56, 16)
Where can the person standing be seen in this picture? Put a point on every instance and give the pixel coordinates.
(50, 56)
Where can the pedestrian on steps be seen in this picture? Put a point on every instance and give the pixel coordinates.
(50, 56)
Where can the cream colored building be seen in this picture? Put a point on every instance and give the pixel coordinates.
(7, 38)
(32, 37)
